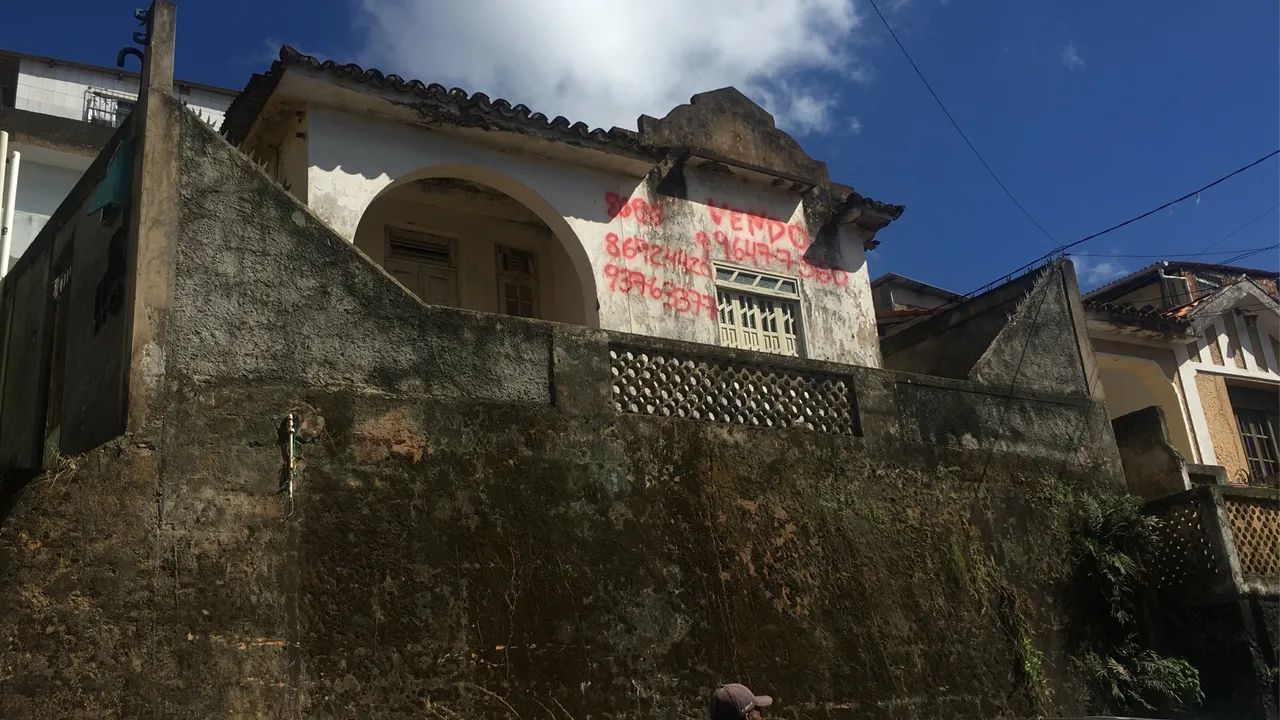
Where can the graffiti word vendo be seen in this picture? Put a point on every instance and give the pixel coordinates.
(674, 268)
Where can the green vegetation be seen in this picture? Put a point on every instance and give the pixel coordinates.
(1112, 543)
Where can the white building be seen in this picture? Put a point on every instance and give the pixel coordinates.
(708, 225)
(58, 114)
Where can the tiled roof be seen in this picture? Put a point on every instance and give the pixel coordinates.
(456, 106)
(1174, 265)
(471, 108)
(1149, 316)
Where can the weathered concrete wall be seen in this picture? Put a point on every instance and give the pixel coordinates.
(645, 259)
(1153, 467)
(1221, 421)
(1026, 335)
(61, 328)
(476, 532)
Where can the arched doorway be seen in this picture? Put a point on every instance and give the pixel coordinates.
(466, 238)
(1132, 384)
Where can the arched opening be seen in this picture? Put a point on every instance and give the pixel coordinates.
(464, 237)
(1131, 384)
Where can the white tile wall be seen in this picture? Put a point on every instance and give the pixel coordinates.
(62, 91)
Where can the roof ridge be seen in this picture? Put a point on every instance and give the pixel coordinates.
(461, 98)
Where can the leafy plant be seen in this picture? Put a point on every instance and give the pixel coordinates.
(1112, 544)
(1138, 679)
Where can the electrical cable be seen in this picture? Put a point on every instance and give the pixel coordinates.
(956, 125)
(1219, 241)
(1183, 255)
(1059, 250)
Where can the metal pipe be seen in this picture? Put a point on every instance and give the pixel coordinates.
(1185, 295)
(4, 159)
(6, 221)
(293, 452)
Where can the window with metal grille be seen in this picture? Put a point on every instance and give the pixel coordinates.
(758, 311)
(1258, 435)
(517, 282)
(102, 107)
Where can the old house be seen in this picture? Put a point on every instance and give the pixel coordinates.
(1198, 341)
(474, 203)
(59, 113)
(393, 401)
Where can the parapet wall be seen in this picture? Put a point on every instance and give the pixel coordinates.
(62, 329)
(495, 517)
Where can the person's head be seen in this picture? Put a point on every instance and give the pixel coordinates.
(735, 702)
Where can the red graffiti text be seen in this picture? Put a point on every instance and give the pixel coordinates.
(638, 208)
(753, 223)
(762, 255)
(673, 296)
(657, 255)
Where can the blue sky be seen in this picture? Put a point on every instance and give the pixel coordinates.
(1090, 112)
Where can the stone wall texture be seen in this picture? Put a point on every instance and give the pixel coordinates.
(476, 531)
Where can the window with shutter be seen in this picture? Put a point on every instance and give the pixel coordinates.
(425, 263)
(758, 311)
(517, 282)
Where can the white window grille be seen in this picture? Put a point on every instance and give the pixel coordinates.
(105, 107)
(517, 282)
(758, 311)
(425, 263)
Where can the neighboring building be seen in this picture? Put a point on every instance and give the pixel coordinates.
(709, 225)
(899, 299)
(59, 113)
(1200, 342)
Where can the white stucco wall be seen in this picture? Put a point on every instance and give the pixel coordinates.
(61, 90)
(667, 289)
(41, 188)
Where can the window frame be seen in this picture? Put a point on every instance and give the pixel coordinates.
(800, 318)
(535, 283)
(451, 239)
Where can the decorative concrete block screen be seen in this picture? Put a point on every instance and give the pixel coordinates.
(702, 387)
(1182, 551)
(1255, 526)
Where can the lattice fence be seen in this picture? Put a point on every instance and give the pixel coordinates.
(1182, 551)
(1255, 526)
(704, 388)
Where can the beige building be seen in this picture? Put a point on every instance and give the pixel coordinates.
(708, 224)
(1199, 342)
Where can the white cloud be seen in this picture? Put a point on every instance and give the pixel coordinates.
(855, 125)
(1093, 272)
(1071, 56)
(606, 64)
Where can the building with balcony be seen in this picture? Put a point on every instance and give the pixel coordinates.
(59, 113)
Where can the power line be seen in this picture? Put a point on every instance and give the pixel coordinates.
(1059, 250)
(956, 125)
(1219, 241)
(1244, 255)
(1183, 255)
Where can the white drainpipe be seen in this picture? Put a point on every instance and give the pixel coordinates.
(6, 220)
(4, 156)
(1176, 298)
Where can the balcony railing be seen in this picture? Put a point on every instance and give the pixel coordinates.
(1217, 540)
